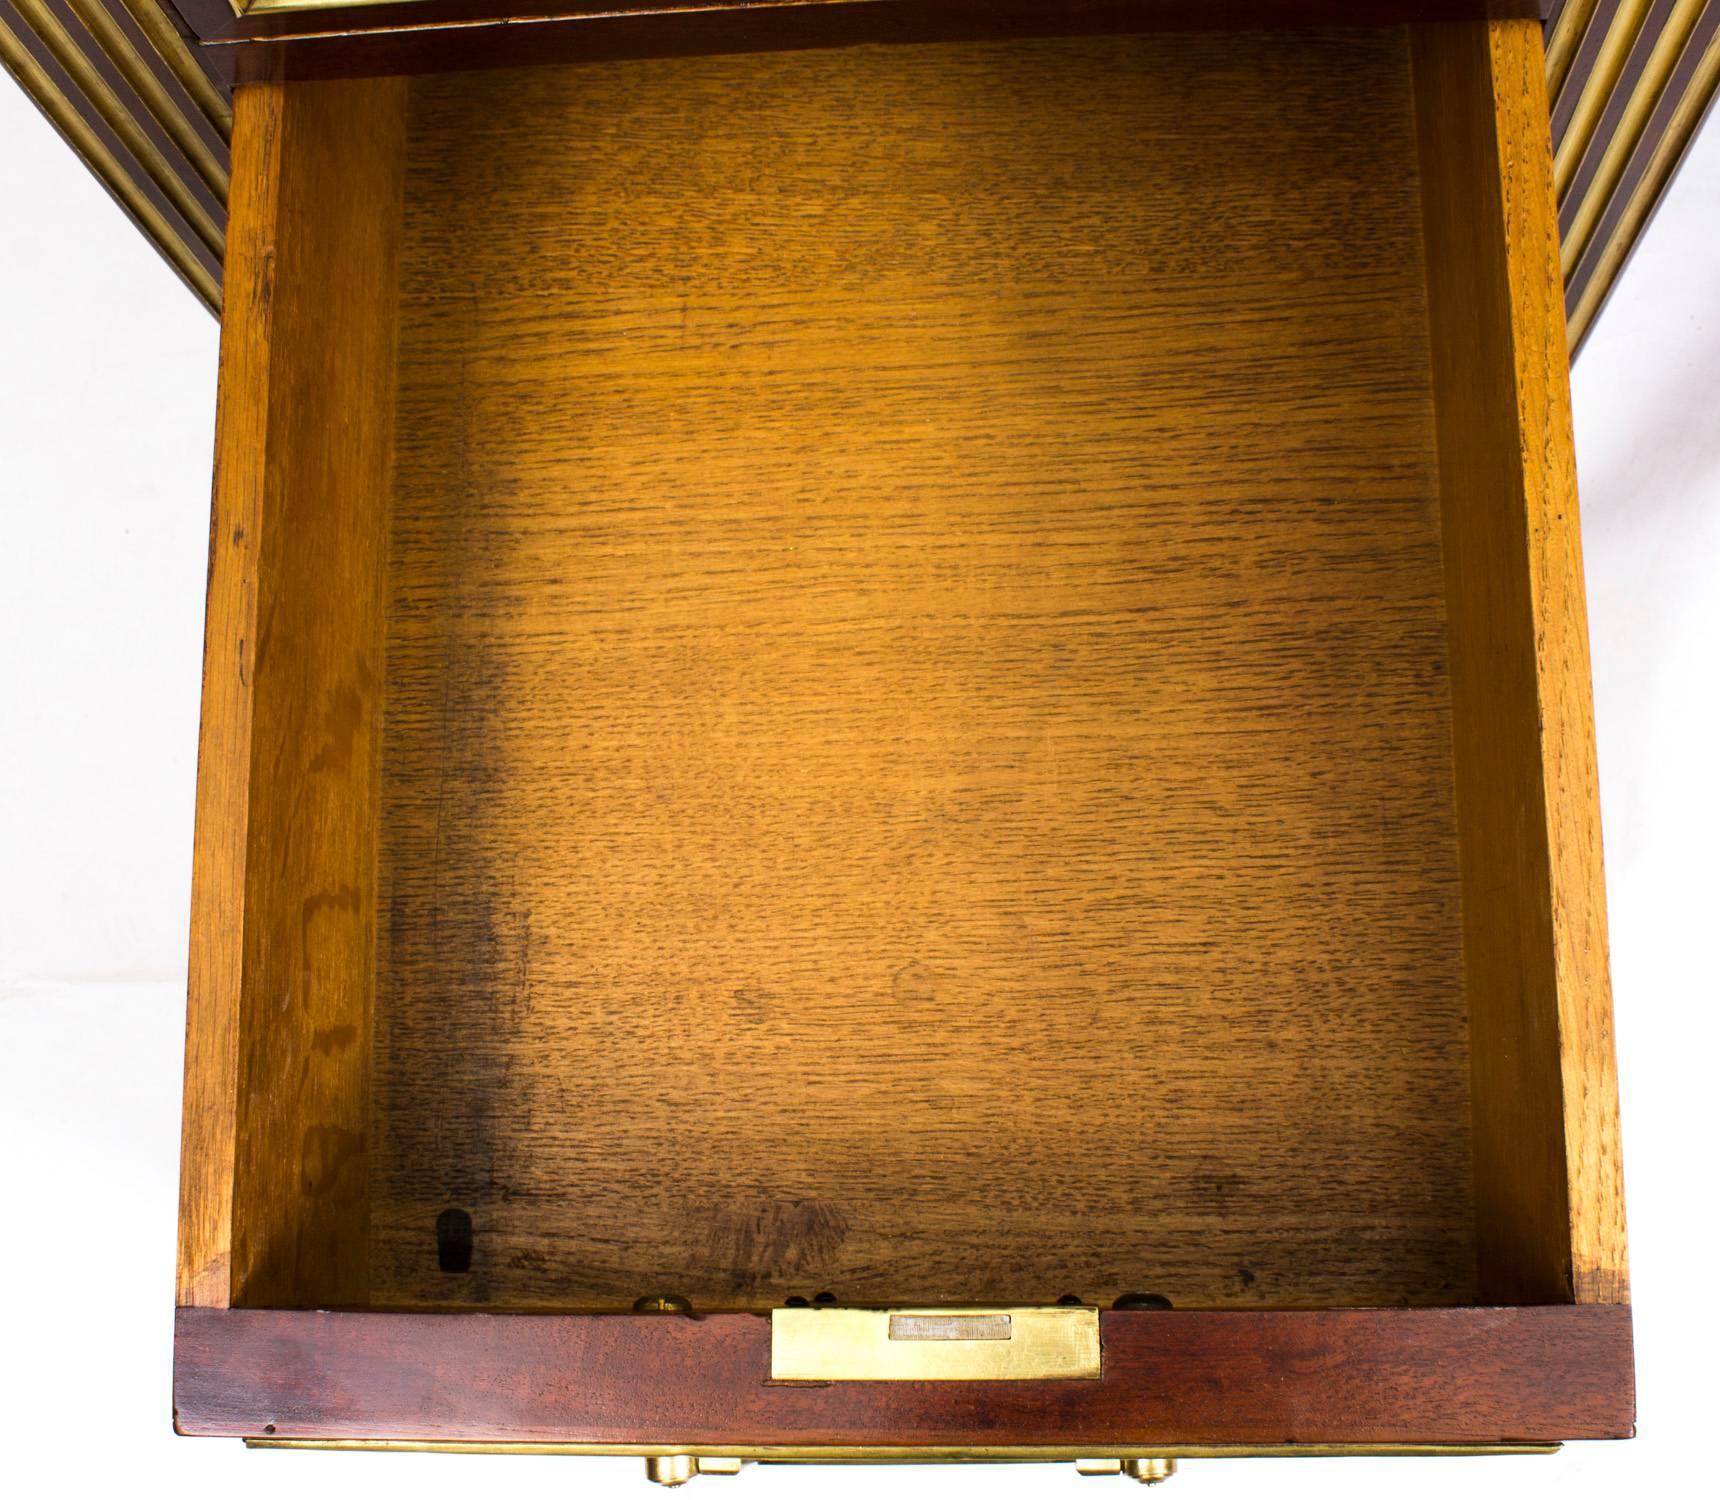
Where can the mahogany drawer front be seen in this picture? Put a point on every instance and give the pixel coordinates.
(949, 674)
(1436, 1377)
(248, 41)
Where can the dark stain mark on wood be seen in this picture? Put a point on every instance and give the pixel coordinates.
(331, 1039)
(773, 1241)
(327, 1152)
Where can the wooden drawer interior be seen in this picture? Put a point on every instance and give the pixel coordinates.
(929, 673)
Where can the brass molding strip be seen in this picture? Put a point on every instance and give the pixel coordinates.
(76, 120)
(284, 7)
(169, 112)
(1640, 181)
(1001, 1454)
(1564, 33)
(1586, 35)
(175, 53)
(1647, 88)
(135, 133)
(126, 93)
(1591, 84)
(1664, 31)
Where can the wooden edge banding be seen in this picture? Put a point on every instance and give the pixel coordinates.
(1521, 1196)
(1588, 1069)
(1430, 1375)
(1549, 1197)
(301, 1197)
(273, 1196)
(224, 739)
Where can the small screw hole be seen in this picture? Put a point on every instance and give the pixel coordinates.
(454, 1241)
(269, 1430)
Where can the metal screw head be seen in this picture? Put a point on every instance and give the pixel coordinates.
(662, 1302)
(1150, 1470)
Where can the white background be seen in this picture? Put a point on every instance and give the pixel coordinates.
(107, 396)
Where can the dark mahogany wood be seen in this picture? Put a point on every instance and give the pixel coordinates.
(417, 37)
(1426, 1375)
(215, 20)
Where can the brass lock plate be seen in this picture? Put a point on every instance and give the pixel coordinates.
(936, 1343)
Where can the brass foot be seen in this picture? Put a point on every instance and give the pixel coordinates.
(1142, 1470)
(677, 1468)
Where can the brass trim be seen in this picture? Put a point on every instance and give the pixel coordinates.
(76, 132)
(100, 25)
(800, 1453)
(467, 23)
(1667, 153)
(1564, 38)
(292, 7)
(1597, 89)
(314, 7)
(937, 1343)
(172, 48)
(119, 119)
(1668, 47)
(288, 7)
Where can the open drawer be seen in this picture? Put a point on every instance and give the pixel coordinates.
(946, 678)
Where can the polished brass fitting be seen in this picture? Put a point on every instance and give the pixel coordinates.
(677, 1468)
(1143, 1470)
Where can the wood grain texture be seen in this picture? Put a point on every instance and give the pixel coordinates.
(1464, 1375)
(918, 756)
(224, 737)
(284, 884)
(1549, 1200)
